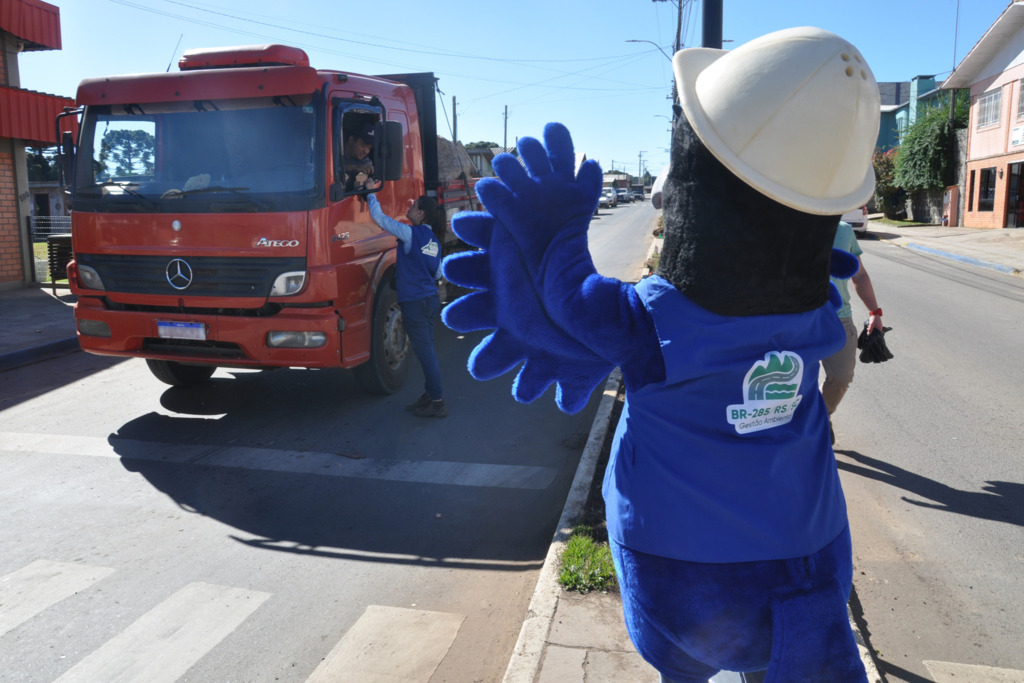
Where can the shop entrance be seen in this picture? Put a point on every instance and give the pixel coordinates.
(1015, 205)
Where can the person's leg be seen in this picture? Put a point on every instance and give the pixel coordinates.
(839, 368)
(418, 318)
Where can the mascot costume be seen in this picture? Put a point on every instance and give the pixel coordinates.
(726, 517)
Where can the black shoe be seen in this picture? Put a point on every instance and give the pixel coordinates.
(421, 402)
(432, 409)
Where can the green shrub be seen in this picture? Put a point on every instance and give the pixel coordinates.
(586, 565)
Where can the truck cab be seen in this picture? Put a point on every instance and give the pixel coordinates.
(214, 222)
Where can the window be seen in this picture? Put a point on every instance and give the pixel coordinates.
(987, 189)
(988, 108)
(1020, 99)
(970, 193)
(357, 155)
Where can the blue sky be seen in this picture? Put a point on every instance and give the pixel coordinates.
(545, 60)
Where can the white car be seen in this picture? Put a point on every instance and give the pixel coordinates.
(857, 218)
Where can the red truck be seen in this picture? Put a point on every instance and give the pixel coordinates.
(214, 225)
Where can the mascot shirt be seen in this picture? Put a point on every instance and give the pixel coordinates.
(727, 459)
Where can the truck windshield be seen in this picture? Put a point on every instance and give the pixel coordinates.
(258, 154)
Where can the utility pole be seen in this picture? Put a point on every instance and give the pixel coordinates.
(455, 122)
(504, 142)
(640, 166)
(712, 24)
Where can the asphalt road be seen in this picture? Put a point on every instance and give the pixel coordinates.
(274, 526)
(929, 451)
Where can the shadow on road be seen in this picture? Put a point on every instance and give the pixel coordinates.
(348, 503)
(998, 501)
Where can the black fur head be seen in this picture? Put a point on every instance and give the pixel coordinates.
(731, 249)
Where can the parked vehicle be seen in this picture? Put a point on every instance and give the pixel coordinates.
(610, 196)
(214, 223)
(624, 195)
(858, 219)
(638, 195)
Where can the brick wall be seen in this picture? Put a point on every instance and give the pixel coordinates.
(10, 243)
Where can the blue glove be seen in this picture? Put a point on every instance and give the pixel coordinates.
(509, 303)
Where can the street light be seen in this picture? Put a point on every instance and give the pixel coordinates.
(654, 44)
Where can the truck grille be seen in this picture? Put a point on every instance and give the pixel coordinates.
(212, 276)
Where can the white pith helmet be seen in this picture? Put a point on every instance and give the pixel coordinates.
(794, 114)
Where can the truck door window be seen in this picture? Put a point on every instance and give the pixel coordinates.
(357, 158)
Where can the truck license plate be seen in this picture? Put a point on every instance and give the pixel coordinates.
(175, 330)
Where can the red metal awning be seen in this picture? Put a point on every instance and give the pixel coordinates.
(35, 22)
(30, 115)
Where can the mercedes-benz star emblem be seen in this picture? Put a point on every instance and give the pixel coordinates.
(179, 274)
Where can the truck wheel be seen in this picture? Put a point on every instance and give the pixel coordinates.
(179, 374)
(388, 366)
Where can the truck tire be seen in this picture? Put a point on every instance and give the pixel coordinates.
(389, 362)
(179, 374)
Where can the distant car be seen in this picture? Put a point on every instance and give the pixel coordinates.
(858, 219)
(624, 195)
(639, 194)
(609, 198)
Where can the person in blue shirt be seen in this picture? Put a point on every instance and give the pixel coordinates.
(419, 269)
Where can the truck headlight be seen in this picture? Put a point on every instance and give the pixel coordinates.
(287, 284)
(89, 278)
(289, 339)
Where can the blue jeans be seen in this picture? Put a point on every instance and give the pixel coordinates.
(418, 318)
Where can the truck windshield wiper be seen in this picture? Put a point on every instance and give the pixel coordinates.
(124, 186)
(173, 194)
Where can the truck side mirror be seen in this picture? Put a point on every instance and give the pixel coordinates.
(394, 150)
(67, 158)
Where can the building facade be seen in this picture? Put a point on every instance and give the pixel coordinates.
(993, 71)
(26, 118)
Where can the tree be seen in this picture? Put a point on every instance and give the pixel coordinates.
(887, 194)
(482, 145)
(925, 159)
(130, 151)
(42, 167)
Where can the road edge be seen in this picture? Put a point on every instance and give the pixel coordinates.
(526, 658)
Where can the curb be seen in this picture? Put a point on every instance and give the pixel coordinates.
(16, 359)
(524, 665)
(969, 260)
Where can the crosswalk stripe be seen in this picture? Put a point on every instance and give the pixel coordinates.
(950, 672)
(31, 589)
(166, 641)
(298, 462)
(390, 645)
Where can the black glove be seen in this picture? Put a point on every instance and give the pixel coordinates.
(872, 345)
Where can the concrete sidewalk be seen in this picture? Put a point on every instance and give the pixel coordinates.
(566, 637)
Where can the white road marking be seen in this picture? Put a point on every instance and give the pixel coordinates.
(950, 672)
(30, 590)
(298, 462)
(390, 645)
(169, 639)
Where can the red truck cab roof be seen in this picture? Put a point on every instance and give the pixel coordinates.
(245, 55)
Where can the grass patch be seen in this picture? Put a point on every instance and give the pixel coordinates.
(898, 223)
(586, 563)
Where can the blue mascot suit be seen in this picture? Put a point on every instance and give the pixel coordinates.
(725, 512)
